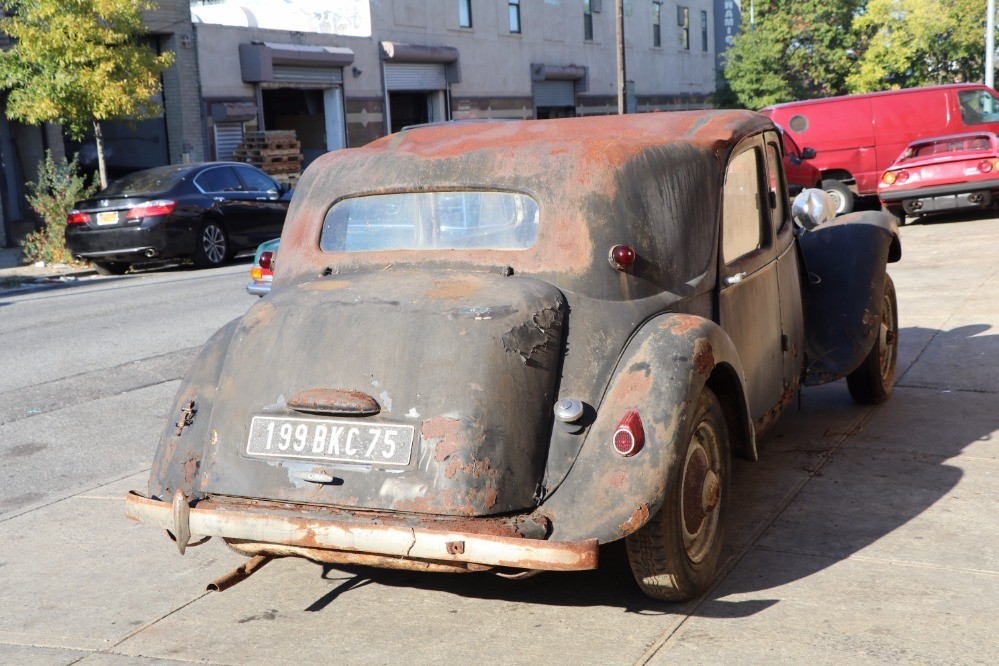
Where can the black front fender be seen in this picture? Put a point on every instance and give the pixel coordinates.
(845, 264)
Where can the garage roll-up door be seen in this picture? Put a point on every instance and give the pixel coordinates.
(415, 76)
(314, 75)
(554, 93)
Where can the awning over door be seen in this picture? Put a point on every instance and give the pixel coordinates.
(269, 63)
(435, 66)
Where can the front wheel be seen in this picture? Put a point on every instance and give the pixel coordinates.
(841, 195)
(674, 556)
(213, 246)
(871, 383)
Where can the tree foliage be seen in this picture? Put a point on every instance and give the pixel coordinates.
(59, 186)
(78, 61)
(907, 43)
(803, 49)
(795, 49)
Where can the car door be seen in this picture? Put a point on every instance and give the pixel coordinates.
(229, 200)
(788, 269)
(269, 208)
(749, 297)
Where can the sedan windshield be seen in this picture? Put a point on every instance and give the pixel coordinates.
(431, 221)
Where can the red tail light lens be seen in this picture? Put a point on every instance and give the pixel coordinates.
(901, 176)
(265, 260)
(151, 208)
(76, 217)
(629, 438)
(985, 166)
(621, 257)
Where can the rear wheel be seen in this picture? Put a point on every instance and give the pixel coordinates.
(841, 195)
(871, 383)
(213, 246)
(674, 556)
(111, 267)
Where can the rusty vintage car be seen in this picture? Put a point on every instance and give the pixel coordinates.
(498, 346)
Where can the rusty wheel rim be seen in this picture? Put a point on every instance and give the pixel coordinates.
(700, 489)
(888, 341)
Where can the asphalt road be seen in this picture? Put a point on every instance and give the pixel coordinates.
(863, 535)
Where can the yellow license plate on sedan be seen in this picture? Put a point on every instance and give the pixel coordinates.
(107, 218)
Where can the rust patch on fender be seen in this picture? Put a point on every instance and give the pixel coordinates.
(704, 358)
(682, 324)
(446, 431)
(191, 466)
(637, 519)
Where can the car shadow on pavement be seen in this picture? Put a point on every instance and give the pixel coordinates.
(833, 479)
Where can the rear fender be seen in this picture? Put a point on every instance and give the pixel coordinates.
(177, 464)
(845, 262)
(661, 375)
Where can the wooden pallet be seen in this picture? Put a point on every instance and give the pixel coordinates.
(277, 153)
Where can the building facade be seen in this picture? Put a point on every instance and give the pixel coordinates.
(345, 73)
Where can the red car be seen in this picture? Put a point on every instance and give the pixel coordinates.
(941, 174)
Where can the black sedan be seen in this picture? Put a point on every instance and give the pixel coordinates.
(206, 212)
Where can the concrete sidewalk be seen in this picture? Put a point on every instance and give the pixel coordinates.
(14, 274)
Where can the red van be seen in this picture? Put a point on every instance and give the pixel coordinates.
(857, 137)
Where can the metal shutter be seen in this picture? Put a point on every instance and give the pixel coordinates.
(316, 75)
(554, 93)
(228, 136)
(415, 76)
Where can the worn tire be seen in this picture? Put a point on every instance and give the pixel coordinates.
(841, 195)
(871, 383)
(111, 267)
(213, 246)
(669, 561)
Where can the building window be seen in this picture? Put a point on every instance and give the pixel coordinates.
(704, 31)
(587, 21)
(657, 17)
(515, 17)
(683, 20)
(465, 13)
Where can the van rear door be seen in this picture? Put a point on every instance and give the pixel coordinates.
(901, 118)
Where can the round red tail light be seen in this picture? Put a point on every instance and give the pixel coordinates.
(265, 260)
(621, 257)
(985, 166)
(629, 438)
(901, 176)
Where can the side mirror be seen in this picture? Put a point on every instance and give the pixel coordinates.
(273, 194)
(811, 208)
(808, 153)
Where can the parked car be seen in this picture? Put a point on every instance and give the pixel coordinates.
(858, 136)
(262, 271)
(942, 174)
(801, 173)
(205, 212)
(497, 346)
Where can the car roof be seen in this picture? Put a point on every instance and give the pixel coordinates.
(879, 93)
(598, 181)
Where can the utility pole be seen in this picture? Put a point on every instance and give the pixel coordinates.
(622, 84)
(990, 43)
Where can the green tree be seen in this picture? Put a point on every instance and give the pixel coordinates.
(59, 186)
(907, 43)
(795, 49)
(78, 63)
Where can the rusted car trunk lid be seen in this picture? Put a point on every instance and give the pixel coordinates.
(466, 365)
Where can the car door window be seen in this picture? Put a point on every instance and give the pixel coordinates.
(219, 179)
(255, 181)
(775, 182)
(742, 221)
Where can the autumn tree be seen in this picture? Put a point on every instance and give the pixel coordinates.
(791, 49)
(79, 63)
(907, 43)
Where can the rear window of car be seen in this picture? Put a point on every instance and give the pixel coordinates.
(944, 146)
(150, 181)
(431, 221)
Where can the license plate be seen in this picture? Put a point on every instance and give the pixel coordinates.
(329, 440)
(107, 218)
